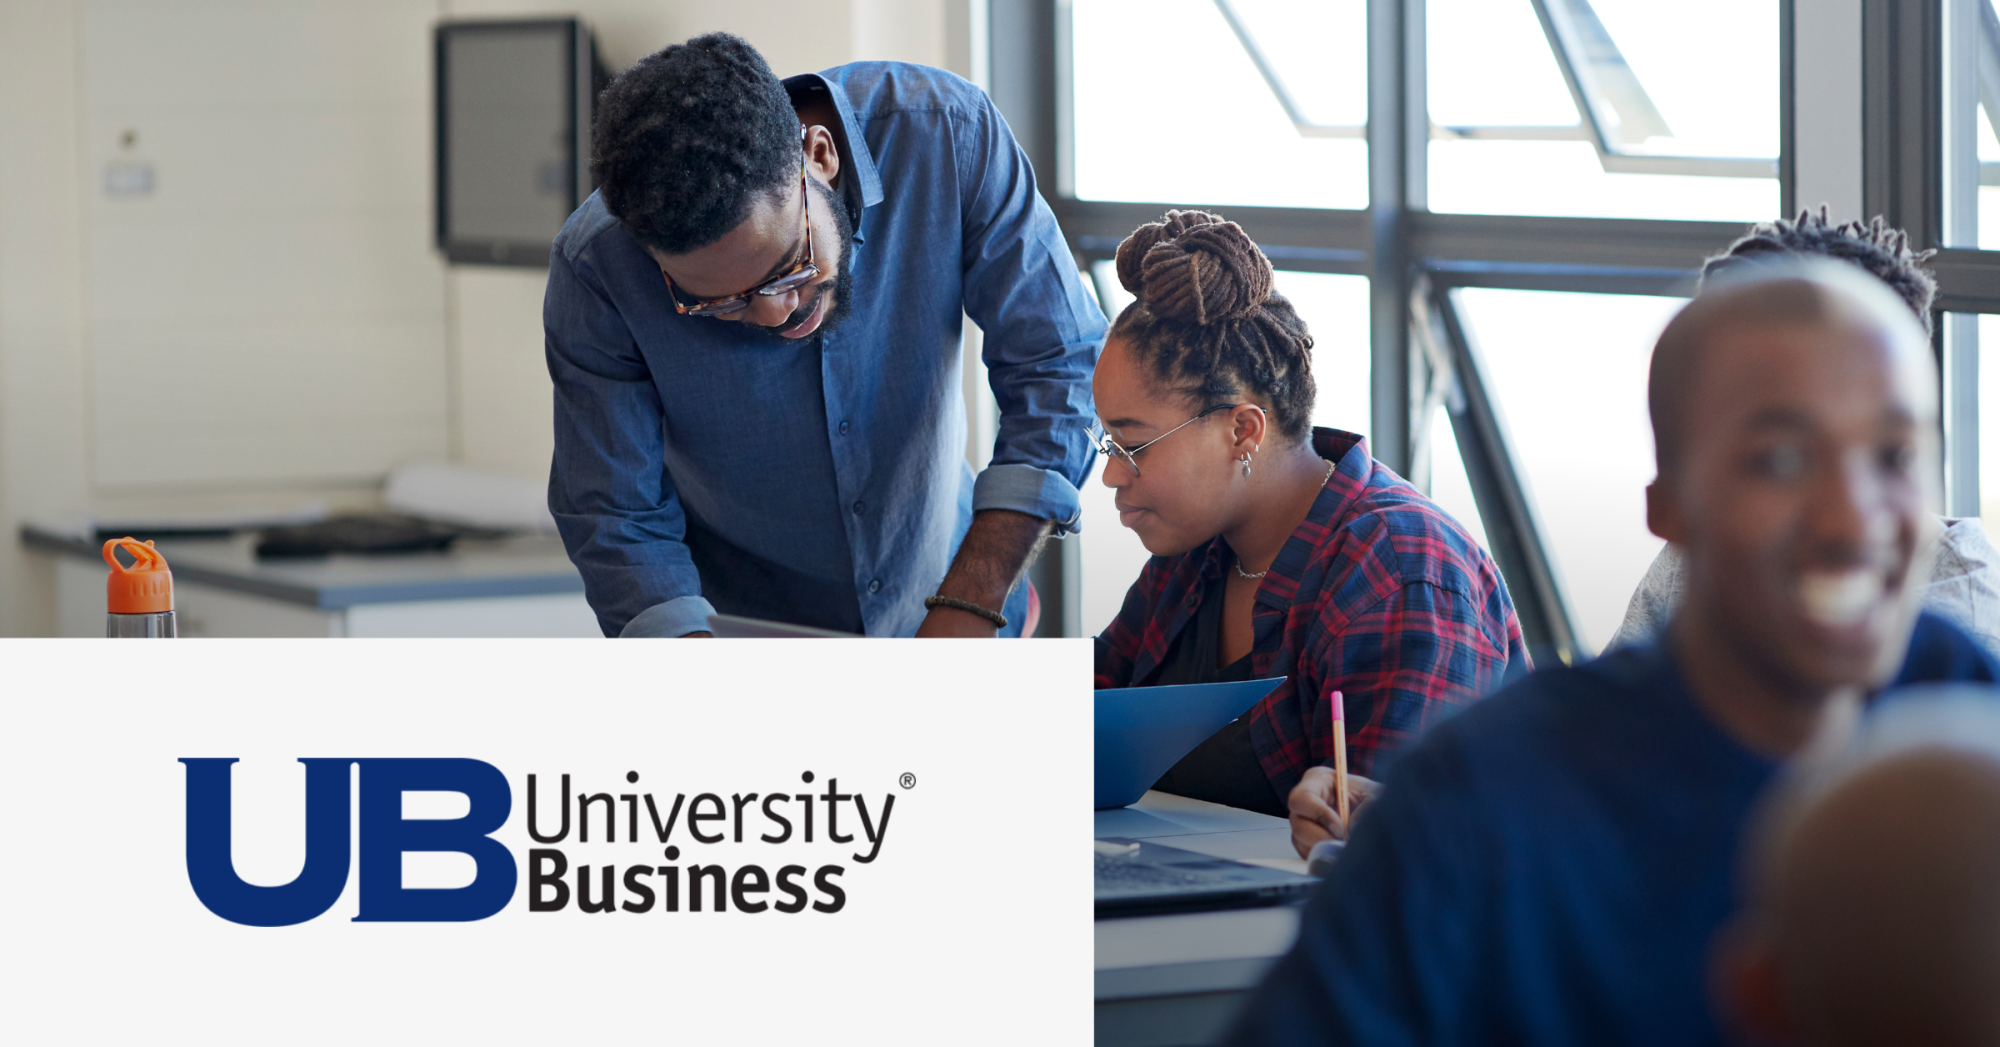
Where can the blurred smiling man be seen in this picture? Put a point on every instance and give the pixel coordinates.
(1552, 865)
(753, 327)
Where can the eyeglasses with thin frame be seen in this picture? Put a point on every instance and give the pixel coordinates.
(1108, 447)
(784, 283)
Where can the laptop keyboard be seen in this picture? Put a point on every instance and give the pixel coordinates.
(1123, 872)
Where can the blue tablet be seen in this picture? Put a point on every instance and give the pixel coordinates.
(1144, 731)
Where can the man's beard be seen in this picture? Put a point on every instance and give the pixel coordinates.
(841, 287)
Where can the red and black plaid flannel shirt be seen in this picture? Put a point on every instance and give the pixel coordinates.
(1378, 594)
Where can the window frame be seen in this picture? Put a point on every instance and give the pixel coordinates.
(1415, 258)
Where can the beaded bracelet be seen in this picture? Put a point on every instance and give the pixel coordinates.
(999, 620)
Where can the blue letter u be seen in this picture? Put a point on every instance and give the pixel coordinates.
(213, 874)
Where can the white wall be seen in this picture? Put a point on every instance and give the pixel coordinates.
(270, 324)
(44, 444)
(271, 313)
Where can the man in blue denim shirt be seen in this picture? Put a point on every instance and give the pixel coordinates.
(755, 350)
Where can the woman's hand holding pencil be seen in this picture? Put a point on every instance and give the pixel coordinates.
(1312, 803)
(1326, 799)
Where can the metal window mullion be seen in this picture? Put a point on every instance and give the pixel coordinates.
(1513, 537)
(1968, 281)
(1023, 40)
(1788, 178)
(1634, 243)
(1959, 53)
(1901, 98)
(1342, 241)
(1398, 134)
(1577, 74)
(1961, 413)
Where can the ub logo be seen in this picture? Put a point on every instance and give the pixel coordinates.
(384, 835)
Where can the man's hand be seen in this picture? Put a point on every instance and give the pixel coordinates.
(995, 552)
(1312, 806)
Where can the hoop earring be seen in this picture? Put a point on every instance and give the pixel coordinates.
(1246, 465)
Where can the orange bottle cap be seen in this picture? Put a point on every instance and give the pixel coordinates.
(146, 587)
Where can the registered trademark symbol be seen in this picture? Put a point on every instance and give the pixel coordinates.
(908, 780)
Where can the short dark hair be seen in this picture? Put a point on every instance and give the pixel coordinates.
(1206, 322)
(686, 139)
(1874, 245)
(1779, 291)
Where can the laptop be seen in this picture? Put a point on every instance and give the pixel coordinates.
(1142, 878)
(1143, 731)
(736, 627)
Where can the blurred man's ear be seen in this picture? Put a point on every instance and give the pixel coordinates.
(1748, 988)
(1663, 516)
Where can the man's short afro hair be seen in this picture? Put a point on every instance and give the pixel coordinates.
(1874, 245)
(686, 139)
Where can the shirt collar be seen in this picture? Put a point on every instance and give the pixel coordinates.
(862, 183)
(1352, 469)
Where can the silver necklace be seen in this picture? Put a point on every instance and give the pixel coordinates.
(1247, 576)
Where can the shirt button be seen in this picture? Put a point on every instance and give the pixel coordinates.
(875, 585)
(843, 428)
(860, 507)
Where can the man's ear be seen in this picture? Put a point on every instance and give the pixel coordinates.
(822, 155)
(1252, 425)
(1663, 511)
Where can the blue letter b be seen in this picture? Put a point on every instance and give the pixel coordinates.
(385, 836)
(213, 874)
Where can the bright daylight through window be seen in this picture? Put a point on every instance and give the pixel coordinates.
(1560, 365)
(1564, 109)
(1157, 83)
(1972, 116)
(1604, 108)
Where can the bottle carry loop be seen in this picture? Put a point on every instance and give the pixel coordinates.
(144, 588)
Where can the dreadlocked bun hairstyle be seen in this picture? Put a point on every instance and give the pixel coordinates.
(1875, 245)
(1205, 320)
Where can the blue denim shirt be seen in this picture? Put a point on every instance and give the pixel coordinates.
(702, 467)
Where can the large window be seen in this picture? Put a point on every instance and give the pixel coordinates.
(1493, 206)
(1611, 108)
(1988, 332)
(1971, 74)
(1159, 85)
(1963, 216)
(1568, 373)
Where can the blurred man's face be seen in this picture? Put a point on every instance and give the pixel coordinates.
(1802, 499)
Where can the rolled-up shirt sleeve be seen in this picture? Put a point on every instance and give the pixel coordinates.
(1042, 330)
(608, 486)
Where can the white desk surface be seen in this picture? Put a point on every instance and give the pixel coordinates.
(1195, 952)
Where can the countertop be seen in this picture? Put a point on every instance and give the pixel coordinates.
(471, 569)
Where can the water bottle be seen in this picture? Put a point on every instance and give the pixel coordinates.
(140, 598)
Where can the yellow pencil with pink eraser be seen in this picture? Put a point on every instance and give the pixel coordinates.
(1340, 759)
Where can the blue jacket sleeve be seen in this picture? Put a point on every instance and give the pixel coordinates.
(1043, 330)
(608, 486)
(1387, 945)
